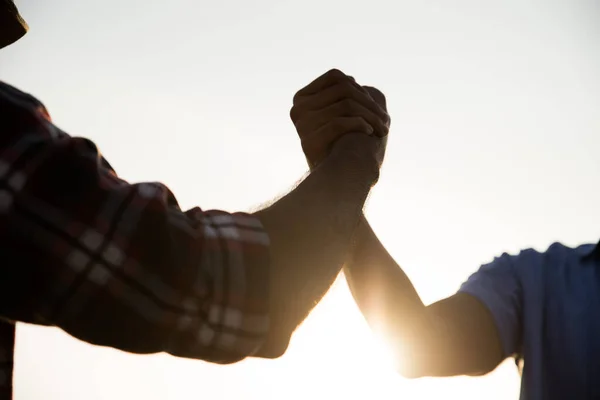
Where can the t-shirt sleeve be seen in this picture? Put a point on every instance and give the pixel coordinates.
(498, 287)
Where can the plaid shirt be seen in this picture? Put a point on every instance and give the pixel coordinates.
(117, 264)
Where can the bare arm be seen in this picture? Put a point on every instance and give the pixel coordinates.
(455, 336)
(435, 338)
(311, 230)
(312, 227)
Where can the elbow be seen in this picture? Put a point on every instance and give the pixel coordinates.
(410, 373)
(271, 352)
(273, 347)
(423, 365)
(420, 359)
(412, 363)
(411, 369)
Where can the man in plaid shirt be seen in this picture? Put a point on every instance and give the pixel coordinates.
(121, 265)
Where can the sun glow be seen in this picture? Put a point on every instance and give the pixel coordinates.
(336, 344)
(344, 346)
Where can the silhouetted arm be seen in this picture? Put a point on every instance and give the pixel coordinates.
(121, 265)
(311, 230)
(455, 336)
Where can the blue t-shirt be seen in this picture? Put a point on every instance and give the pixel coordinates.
(547, 311)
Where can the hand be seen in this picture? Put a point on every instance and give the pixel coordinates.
(334, 105)
(367, 151)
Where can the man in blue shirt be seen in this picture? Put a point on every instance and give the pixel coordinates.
(540, 307)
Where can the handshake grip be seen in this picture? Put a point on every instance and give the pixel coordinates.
(334, 113)
(364, 150)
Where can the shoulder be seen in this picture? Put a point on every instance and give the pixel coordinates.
(555, 253)
(526, 263)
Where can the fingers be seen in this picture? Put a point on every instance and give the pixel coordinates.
(329, 78)
(377, 96)
(319, 142)
(346, 107)
(342, 91)
(333, 105)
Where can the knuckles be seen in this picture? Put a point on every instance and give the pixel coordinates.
(342, 87)
(335, 73)
(347, 104)
(376, 95)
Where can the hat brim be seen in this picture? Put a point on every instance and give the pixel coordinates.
(12, 26)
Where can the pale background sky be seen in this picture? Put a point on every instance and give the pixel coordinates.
(494, 147)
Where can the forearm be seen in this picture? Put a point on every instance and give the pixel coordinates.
(383, 292)
(311, 231)
(454, 336)
(391, 305)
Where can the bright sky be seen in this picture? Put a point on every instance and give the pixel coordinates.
(494, 147)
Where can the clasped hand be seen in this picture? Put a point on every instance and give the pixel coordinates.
(332, 110)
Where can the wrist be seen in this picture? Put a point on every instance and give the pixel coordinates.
(355, 154)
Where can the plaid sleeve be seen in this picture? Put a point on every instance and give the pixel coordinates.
(7, 342)
(119, 264)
